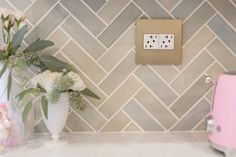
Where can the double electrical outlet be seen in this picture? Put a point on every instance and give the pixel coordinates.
(158, 41)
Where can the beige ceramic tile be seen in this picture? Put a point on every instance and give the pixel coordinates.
(132, 128)
(84, 62)
(117, 123)
(167, 72)
(118, 74)
(190, 97)
(192, 72)
(155, 108)
(118, 50)
(193, 47)
(215, 71)
(118, 98)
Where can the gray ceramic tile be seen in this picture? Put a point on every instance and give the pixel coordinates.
(4, 4)
(22, 5)
(226, 9)
(111, 9)
(117, 99)
(38, 9)
(117, 123)
(40, 128)
(193, 117)
(132, 128)
(152, 8)
(196, 21)
(83, 38)
(59, 38)
(215, 71)
(218, 50)
(201, 127)
(119, 25)
(90, 114)
(156, 108)
(84, 15)
(190, 74)
(209, 95)
(84, 62)
(43, 29)
(119, 74)
(224, 31)
(195, 45)
(167, 72)
(76, 124)
(156, 85)
(183, 10)
(95, 5)
(190, 97)
(168, 4)
(141, 117)
(234, 1)
(118, 50)
(89, 84)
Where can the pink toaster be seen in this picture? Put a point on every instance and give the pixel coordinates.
(221, 121)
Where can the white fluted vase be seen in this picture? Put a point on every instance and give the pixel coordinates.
(57, 116)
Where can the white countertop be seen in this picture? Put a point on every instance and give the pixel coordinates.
(118, 145)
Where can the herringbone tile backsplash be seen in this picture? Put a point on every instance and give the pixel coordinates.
(98, 38)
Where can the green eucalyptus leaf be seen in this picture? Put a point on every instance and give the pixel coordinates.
(9, 83)
(4, 68)
(89, 93)
(41, 88)
(18, 37)
(44, 105)
(54, 64)
(38, 45)
(22, 94)
(26, 111)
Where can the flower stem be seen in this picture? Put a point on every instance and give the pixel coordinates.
(3, 32)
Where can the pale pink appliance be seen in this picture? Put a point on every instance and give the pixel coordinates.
(221, 121)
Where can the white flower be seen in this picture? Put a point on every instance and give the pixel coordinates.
(3, 46)
(19, 15)
(78, 82)
(46, 79)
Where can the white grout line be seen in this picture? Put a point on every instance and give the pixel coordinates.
(95, 14)
(234, 3)
(117, 88)
(119, 110)
(29, 6)
(225, 69)
(195, 33)
(126, 126)
(158, 75)
(81, 71)
(42, 18)
(194, 11)
(152, 117)
(88, 55)
(225, 20)
(192, 60)
(190, 86)
(83, 26)
(155, 96)
(115, 66)
(202, 97)
(226, 46)
(134, 122)
(78, 115)
(163, 7)
(117, 40)
(141, 9)
(101, 8)
(175, 6)
(114, 18)
(62, 47)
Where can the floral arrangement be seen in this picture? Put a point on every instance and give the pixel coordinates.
(53, 76)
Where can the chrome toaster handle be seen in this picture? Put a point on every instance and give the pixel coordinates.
(210, 125)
